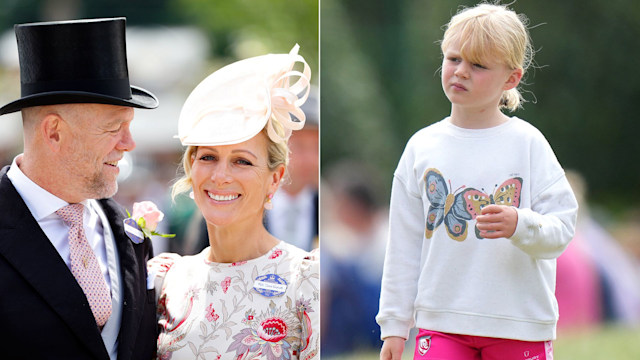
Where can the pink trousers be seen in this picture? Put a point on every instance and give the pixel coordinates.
(433, 345)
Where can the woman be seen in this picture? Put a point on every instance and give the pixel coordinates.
(248, 295)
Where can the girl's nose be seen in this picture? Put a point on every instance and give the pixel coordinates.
(462, 70)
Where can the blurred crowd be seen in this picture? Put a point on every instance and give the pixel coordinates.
(598, 278)
(354, 234)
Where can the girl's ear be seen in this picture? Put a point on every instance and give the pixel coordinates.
(513, 80)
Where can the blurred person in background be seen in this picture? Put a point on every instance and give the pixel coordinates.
(294, 217)
(354, 233)
(74, 284)
(249, 294)
(598, 280)
(578, 288)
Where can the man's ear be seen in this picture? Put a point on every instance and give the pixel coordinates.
(50, 131)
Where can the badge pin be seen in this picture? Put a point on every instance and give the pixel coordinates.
(270, 285)
(132, 230)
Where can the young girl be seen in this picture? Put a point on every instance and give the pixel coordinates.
(480, 209)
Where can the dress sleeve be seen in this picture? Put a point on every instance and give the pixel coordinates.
(308, 305)
(157, 269)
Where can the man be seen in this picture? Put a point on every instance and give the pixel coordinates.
(72, 284)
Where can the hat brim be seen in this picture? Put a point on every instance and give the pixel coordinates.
(140, 98)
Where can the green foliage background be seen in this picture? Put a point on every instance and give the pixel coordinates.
(276, 24)
(380, 84)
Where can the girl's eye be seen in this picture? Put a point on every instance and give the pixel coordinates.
(479, 66)
(454, 59)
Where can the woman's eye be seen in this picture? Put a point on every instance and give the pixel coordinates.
(244, 162)
(207, 157)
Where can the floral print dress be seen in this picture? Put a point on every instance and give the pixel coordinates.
(265, 308)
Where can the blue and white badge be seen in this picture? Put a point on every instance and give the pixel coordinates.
(133, 231)
(270, 285)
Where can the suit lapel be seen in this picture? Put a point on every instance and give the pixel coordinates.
(30, 252)
(132, 265)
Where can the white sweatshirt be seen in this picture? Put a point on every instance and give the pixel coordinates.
(441, 278)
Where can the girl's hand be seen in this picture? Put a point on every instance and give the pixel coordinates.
(497, 221)
(392, 348)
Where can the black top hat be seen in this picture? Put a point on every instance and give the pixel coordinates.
(78, 61)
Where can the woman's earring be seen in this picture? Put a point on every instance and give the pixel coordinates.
(268, 204)
(191, 194)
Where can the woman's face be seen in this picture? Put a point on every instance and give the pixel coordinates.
(231, 183)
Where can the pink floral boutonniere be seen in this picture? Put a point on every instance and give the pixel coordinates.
(144, 222)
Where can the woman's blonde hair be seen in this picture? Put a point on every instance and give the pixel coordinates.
(277, 153)
(492, 31)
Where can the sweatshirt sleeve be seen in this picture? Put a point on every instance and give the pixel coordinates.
(402, 259)
(544, 230)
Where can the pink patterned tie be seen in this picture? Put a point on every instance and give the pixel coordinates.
(84, 265)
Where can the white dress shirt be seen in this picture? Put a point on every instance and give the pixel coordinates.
(43, 205)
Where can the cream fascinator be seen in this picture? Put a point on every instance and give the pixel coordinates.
(236, 102)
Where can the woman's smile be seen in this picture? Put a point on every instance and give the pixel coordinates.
(222, 197)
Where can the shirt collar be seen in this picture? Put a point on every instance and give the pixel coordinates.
(40, 202)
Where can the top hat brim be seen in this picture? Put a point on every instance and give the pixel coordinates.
(140, 98)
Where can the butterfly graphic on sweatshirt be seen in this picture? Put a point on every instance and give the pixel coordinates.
(445, 207)
(456, 209)
(508, 193)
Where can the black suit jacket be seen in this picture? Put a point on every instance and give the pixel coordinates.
(44, 313)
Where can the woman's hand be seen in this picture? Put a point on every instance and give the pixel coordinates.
(392, 348)
(497, 221)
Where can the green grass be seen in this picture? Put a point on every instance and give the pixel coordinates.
(606, 343)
